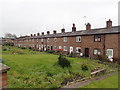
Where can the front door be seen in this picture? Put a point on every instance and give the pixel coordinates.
(86, 52)
(71, 49)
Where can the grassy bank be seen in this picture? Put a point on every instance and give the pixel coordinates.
(33, 69)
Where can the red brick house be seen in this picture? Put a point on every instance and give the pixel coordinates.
(85, 43)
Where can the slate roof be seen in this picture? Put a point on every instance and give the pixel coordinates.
(115, 29)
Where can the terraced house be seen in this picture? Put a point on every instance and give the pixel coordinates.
(84, 43)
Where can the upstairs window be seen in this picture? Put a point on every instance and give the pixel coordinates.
(65, 39)
(42, 40)
(48, 39)
(96, 52)
(97, 38)
(78, 39)
(55, 39)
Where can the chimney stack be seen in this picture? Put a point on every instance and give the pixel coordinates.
(109, 24)
(42, 33)
(48, 32)
(54, 32)
(88, 26)
(73, 28)
(31, 35)
(38, 34)
(63, 30)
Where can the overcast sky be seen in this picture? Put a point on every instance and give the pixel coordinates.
(23, 17)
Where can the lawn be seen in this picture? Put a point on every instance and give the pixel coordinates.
(33, 69)
(109, 82)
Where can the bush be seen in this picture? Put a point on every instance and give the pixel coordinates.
(84, 67)
(8, 44)
(23, 48)
(63, 62)
(4, 49)
(50, 51)
(103, 58)
(17, 52)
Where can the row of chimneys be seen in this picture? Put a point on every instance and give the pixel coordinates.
(88, 27)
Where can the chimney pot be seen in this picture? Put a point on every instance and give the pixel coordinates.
(34, 34)
(38, 34)
(63, 30)
(109, 24)
(42, 33)
(54, 32)
(31, 35)
(73, 28)
(88, 26)
(48, 32)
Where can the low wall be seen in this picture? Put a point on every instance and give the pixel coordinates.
(3, 75)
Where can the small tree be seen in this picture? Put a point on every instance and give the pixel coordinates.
(63, 62)
(84, 67)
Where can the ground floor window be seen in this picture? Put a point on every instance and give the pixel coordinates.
(109, 53)
(96, 51)
(78, 50)
(65, 48)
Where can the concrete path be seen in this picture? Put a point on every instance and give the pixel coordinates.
(82, 83)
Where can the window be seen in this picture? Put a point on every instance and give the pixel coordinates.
(37, 40)
(78, 39)
(33, 40)
(48, 39)
(42, 40)
(96, 52)
(65, 48)
(55, 39)
(65, 39)
(78, 50)
(60, 47)
(97, 38)
(109, 53)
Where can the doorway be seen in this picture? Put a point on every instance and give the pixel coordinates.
(86, 52)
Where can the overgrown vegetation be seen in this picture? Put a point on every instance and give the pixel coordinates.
(34, 69)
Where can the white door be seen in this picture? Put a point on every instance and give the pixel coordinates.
(71, 49)
(110, 54)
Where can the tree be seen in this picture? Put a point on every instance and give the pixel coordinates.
(9, 35)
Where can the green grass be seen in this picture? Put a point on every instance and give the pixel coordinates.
(33, 69)
(109, 82)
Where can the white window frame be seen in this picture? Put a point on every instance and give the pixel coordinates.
(96, 51)
(65, 39)
(77, 38)
(41, 39)
(77, 49)
(65, 48)
(48, 39)
(60, 47)
(107, 52)
(55, 39)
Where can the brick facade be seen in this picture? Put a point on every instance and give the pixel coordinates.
(108, 41)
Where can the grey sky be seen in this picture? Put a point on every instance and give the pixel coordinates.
(23, 17)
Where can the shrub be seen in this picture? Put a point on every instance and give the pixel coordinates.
(8, 44)
(17, 52)
(103, 58)
(50, 51)
(63, 62)
(84, 67)
(4, 49)
(23, 48)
